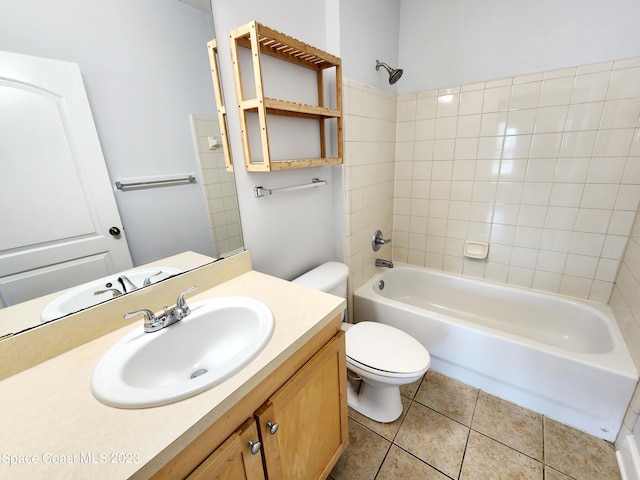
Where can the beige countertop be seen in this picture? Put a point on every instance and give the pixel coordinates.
(50, 418)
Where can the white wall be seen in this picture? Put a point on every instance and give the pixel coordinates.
(456, 42)
(145, 68)
(369, 31)
(290, 232)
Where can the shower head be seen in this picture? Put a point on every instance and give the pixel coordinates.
(394, 73)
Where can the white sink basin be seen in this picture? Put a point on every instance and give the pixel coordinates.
(217, 339)
(84, 296)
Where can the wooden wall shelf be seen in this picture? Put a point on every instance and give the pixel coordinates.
(212, 46)
(260, 40)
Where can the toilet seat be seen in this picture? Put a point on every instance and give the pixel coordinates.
(385, 350)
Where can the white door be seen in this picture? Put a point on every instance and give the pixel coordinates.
(57, 206)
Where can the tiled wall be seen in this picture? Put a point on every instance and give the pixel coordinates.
(369, 144)
(625, 304)
(219, 187)
(544, 167)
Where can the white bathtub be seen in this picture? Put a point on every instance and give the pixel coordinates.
(558, 356)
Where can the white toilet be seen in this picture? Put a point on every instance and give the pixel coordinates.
(382, 356)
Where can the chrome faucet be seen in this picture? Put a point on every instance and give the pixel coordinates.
(124, 281)
(153, 323)
(114, 292)
(384, 263)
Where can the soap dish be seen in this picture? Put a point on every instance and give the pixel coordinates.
(476, 250)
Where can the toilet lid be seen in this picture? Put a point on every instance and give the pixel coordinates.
(385, 348)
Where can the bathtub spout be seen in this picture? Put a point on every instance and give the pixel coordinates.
(384, 263)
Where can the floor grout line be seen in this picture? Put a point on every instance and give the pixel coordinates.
(410, 400)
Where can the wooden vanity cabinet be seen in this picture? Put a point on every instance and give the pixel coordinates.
(234, 459)
(299, 414)
(310, 414)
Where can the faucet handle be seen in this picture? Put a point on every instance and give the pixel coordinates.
(181, 309)
(147, 281)
(181, 302)
(378, 241)
(149, 317)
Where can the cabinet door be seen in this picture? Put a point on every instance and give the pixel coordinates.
(233, 459)
(311, 413)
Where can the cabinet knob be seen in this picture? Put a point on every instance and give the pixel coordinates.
(273, 427)
(254, 446)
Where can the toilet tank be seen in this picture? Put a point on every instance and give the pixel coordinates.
(330, 277)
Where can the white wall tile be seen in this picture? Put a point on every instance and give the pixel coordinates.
(621, 113)
(541, 169)
(607, 269)
(525, 95)
(513, 169)
(560, 218)
(593, 220)
(624, 84)
(584, 116)
(443, 149)
(407, 108)
(551, 119)
(496, 99)
(466, 148)
(581, 266)
(575, 286)
(546, 281)
(628, 197)
(471, 102)
(599, 196)
(493, 124)
(631, 173)
(572, 170)
(520, 122)
(546, 145)
(549, 261)
(591, 87)
(490, 147)
(578, 144)
(447, 105)
(426, 107)
(517, 146)
(469, 126)
(588, 244)
(606, 170)
(521, 277)
(556, 240)
(566, 194)
(613, 143)
(545, 166)
(556, 91)
(503, 234)
(528, 237)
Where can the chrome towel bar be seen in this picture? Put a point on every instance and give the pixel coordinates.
(261, 191)
(158, 181)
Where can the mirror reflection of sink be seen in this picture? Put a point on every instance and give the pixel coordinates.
(84, 296)
(216, 340)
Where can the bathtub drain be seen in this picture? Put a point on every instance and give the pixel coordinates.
(381, 284)
(198, 372)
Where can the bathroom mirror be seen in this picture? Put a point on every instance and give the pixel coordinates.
(219, 193)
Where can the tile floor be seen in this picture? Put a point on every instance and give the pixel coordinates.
(449, 430)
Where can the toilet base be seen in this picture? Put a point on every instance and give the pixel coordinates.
(382, 404)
